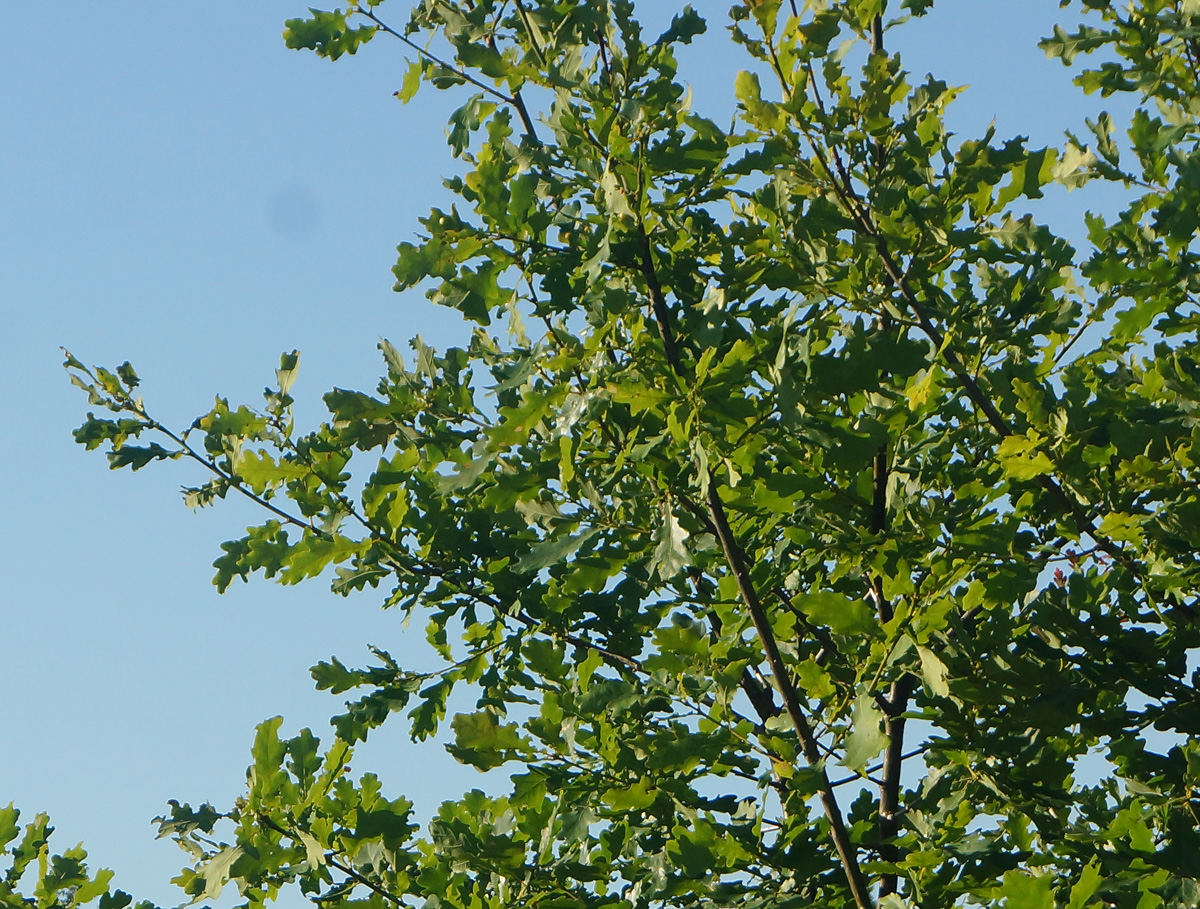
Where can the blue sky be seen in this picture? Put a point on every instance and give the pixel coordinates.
(181, 191)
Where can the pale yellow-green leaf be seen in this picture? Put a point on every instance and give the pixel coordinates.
(814, 681)
(934, 672)
(412, 81)
(398, 509)
(1074, 167)
(670, 552)
(1122, 528)
(1087, 884)
(918, 391)
(1020, 458)
(866, 737)
(260, 470)
(215, 873)
(566, 460)
(314, 854)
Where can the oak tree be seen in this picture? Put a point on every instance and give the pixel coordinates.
(808, 524)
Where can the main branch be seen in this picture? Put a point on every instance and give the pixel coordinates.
(736, 561)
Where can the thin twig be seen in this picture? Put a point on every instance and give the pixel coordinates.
(515, 100)
(530, 31)
(231, 479)
(857, 777)
(331, 860)
(434, 59)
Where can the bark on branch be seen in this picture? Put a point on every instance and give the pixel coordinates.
(736, 561)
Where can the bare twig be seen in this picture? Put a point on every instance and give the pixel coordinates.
(514, 100)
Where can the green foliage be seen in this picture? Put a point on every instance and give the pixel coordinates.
(781, 458)
(326, 33)
(53, 880)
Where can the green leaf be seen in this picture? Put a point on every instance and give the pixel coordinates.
(312, 554)
(919, 390)
(814, 680)
(184, 820)
(466, 120)
(1022, 890)
(839, 613)
(326, 33)
(313, 851)
(1085, 887)
(1123, 528)
(1020, 458)
(389, 821)
(934, 672)
(639, 398)
(878, 371)
(268, 751)
(285, 375)
(474, 293)
(412, 81)
(138, 456)
(634, 797)
(481, 740)
(670, 550)
(684, 27)
(867, 738)
(260, 471)
(1030, 176)
(216, 873)
(9, 829)
(555, 549)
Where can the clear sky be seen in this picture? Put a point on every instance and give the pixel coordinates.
(180, 190)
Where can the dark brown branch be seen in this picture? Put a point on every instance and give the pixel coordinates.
(518, 101)
(893, 763)
(879, 485)
(791, 700)
(759, 691)
(828, 647)
(658, 301)
(897, 700)
(735, 559)
(879, 525)
(529, 30)
(526, 120)
(617, 660)
(857, 777)
(332, 861)
(434, 59)
(755, 687)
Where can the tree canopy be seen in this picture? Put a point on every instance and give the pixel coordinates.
(809, 525)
